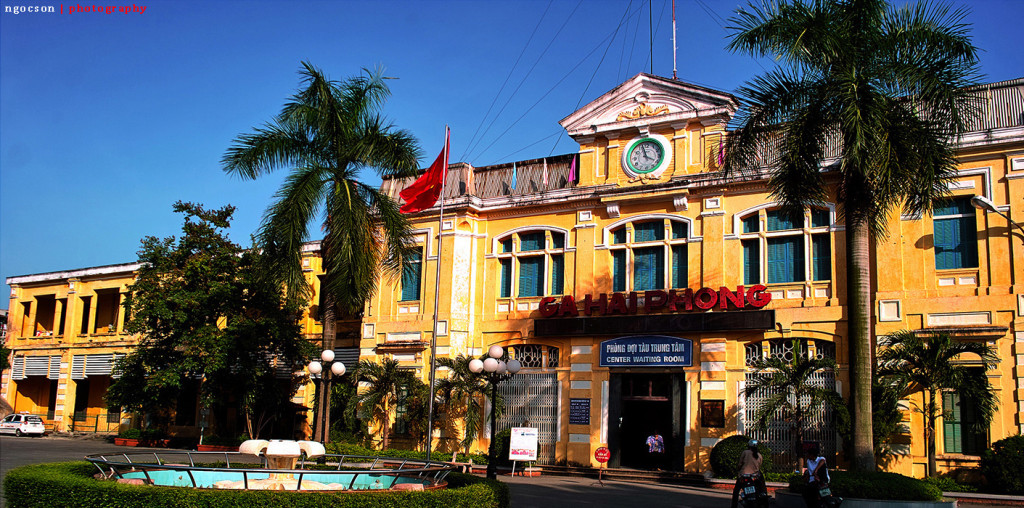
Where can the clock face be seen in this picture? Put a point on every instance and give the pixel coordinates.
(645, 156)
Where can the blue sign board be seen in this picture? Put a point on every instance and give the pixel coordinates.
(647, 351)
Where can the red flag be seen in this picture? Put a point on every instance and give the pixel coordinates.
(423, 193)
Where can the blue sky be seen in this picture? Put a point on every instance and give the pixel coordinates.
(107, 119)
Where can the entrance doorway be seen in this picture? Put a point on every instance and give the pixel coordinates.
(639, 405)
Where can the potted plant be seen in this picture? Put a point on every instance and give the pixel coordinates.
(128, 437)
(154, 438)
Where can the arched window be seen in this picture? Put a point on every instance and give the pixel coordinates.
(531, 263)
(535, 356)
(649, 254)
(788, 248)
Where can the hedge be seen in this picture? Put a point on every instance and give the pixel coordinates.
(725, 456)
(353, 449)
(70, 484)
(876, 485)
(1003, 465)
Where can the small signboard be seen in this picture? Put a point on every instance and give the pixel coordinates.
(523, 444)
(647, 351)
(602, 454)
(579, 411)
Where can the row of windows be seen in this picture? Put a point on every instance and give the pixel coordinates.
(653, 254)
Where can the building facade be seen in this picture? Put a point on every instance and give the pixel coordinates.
(636, 283)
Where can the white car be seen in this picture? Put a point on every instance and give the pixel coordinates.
(22, 424)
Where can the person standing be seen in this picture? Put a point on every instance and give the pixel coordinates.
(749, 464)
(656, 449)
(816, 474)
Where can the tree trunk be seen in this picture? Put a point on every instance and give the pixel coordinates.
(858, 304)
(930, 431)
(329, 318)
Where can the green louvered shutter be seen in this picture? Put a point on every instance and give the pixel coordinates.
(952, 427)
(678, 230)
(680, 269)
(557, 274)
(648, 231)
(506, 278)
(618, 270)
(785, 259)
(648, 268)
(751, 262)
(531, 241)
(531, 281)
(822, 257)
(411, 277)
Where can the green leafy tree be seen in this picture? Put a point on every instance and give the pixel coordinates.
(324, 136)
(926, 364)
(793, 395)
(460, 395)
(887, 87)
(203, 311)
(383, 384)
(887, 420)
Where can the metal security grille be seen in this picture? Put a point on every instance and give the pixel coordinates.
(83, 366)
(18, 368)
(532, 399)
(779, 433)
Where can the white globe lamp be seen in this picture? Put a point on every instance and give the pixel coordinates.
(315, 367)
(476, 366)
(327, 356)
(338, 368)
(495, 352)
(490, 365)
(514, 366)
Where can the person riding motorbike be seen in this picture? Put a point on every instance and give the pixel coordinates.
(750, 473)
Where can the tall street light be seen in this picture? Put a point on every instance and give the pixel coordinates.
(334, 369)
(986, 205)
(495, 371)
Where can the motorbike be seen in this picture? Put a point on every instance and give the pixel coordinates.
(825, 497)
(751, 493)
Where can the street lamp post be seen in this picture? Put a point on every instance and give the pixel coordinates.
(495, 371)
(323, 410)
(986, 205)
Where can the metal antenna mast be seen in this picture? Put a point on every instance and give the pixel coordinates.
(674, 40)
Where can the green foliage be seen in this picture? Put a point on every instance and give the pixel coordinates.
(1003, 465)
(874, 485)
(460, 395)
(5, 354)
(887, 418)
(353, 449)
(502, 442)
(387, 385)
(130, 434)
(71, 485)
(925, 364)
(949, 484)
(725, 456)
(324, 136)
(204, 310)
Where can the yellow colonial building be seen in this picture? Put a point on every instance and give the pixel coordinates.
(635, 283)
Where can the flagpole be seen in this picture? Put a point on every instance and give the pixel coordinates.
(437, 289)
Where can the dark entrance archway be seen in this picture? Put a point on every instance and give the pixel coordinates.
(639, 403)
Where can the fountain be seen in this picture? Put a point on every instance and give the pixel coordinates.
(284, 468)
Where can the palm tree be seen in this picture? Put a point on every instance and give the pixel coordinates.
(383, 383)
(926, 363)
(460, 394)
(883, 88)
(325, 135)
(793, 395)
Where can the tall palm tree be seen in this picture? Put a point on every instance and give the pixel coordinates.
(383, 384)
(460, 394)
(324, 136)
(886, 88)
(926, 364)
(793, 395)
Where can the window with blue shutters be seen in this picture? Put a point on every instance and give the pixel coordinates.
(960, 433)
(531, 276)
(751, 262)
(618, 270)
(794, 247)
(528, 267)
(411, 273)
(557, 274)
(955, 235)
(821, 256)
(637, 265)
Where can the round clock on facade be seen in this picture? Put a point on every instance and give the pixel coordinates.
(646, 157)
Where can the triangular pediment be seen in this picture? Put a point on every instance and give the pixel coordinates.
(646, 101)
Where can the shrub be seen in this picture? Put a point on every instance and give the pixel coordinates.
(1003, 465)
(725, 456)
(130, 434)
(875, 485)
(353, 449)
(70, 484)
(949, 484)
